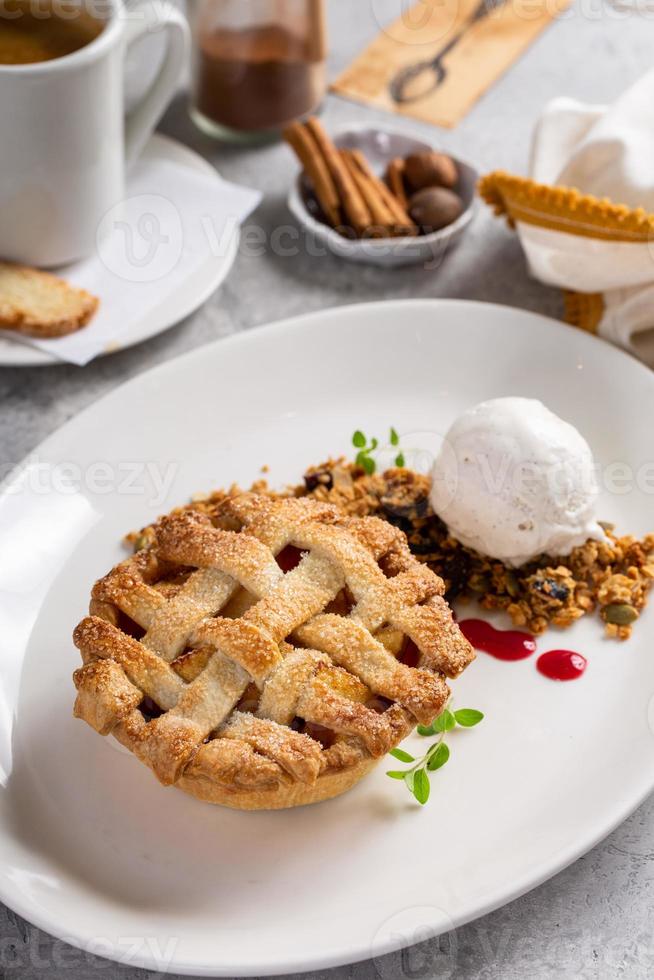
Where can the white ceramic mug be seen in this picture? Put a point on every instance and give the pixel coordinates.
(66, 141)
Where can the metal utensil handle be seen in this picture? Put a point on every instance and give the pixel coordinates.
(405, 76)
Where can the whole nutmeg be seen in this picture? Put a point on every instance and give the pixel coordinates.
(430, 169)
(435, 207)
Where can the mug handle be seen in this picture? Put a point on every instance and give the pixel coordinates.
(145, 115)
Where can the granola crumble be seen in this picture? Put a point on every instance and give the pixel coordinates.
(613, 577)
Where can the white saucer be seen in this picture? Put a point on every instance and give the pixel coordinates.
(196, 289)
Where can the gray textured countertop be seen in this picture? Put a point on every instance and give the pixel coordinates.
(594, 919)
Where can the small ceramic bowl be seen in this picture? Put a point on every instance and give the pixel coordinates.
(380, 147)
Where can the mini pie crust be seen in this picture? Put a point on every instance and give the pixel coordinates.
(238, 664)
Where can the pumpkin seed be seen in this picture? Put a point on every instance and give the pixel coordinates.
(619, 613)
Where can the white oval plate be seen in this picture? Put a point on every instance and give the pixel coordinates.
(94, 850)
(195, 290)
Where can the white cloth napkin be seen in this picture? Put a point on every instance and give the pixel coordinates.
(589, 246)
(172, 222)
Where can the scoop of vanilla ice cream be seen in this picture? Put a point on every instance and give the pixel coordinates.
(513, 481)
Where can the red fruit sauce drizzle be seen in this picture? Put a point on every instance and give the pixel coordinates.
(503, 644)
(557, 665)
(561, 665)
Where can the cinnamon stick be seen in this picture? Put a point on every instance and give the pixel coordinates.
(315, 167)
(382, 222)
(351, 200)
(398, 219)
(395, 179)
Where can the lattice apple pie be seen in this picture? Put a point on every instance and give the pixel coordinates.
(268, 655)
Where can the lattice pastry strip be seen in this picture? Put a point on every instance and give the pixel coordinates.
(225, 559)
(281, 693)
(96, 638)
(126, 588)
(351, 646)
(295, 753)
(176, 591)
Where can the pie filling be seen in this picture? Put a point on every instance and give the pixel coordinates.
(288, 558)
(150, 709)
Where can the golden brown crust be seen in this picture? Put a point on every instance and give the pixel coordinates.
(292, 794)
(174, 696)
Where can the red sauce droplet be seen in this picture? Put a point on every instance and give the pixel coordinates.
(561, 665)
(288, 558)
(503, 644)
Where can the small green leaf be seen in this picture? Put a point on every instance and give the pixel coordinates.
(444, 722)
(421, 786)
(395, 439)
(373, 444)
(358, 439)
(425, 730)
(399, 459)
(468, 717)
(368, 464)
(439, 757)
(401, 755)
(409, 777)
(396, 774)
(360, 457)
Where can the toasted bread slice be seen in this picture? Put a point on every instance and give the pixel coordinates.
(41, 305)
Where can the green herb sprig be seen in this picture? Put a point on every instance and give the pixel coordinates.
(395, 441)
(416, 779)
(364, 457)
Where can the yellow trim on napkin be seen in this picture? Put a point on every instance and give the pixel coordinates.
(564, 209)
(583, 310)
